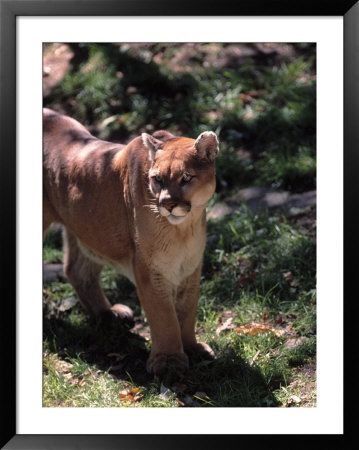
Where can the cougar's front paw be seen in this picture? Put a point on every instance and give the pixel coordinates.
(202, 350)
(159, 363)
(119, 313)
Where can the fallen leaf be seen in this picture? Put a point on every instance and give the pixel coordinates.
(68, 376)
(289, 278)
(279, 320)
(67, 304)
(227, 325)
(135, 391)
(294, 342)
(254, 328)
(294, 399)
(245, 98)
(130, 395)
(63, 366)
(226, 314)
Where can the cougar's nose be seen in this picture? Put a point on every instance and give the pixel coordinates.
(169, 206)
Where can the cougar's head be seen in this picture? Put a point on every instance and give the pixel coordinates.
(182, 173)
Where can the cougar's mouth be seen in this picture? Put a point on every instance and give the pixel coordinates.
(175, 214)
(176, 220)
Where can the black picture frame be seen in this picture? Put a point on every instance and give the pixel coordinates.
(10, 9)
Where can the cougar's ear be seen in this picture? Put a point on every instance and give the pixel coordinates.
(152, 144)
(207, 145)
(163, 135)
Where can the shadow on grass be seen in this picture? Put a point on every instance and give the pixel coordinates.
(226, 381)
(273, 248)
(136, 85)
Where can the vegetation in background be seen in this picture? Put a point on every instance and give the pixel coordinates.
(263, 106)
(257, 306)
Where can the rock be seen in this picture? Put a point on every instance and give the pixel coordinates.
(53, 272)
(257, 198)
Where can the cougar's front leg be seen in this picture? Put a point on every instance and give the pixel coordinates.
(186, 308)
(157, 297)
(84, 275)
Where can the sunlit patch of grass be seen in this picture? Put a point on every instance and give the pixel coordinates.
(77, 384)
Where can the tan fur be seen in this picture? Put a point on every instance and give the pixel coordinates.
(114, 211)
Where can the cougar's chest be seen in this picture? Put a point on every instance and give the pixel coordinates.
(177, 258)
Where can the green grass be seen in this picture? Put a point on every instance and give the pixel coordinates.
(243, 281)
(75, 383)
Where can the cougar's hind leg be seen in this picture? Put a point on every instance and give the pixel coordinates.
(84, 275)
(48, 215)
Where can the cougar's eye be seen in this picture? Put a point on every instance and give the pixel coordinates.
(186, 177)
(158, 178)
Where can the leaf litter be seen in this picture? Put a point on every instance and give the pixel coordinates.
(254, 328)
(131, 395)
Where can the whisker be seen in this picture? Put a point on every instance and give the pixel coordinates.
(153, 208)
